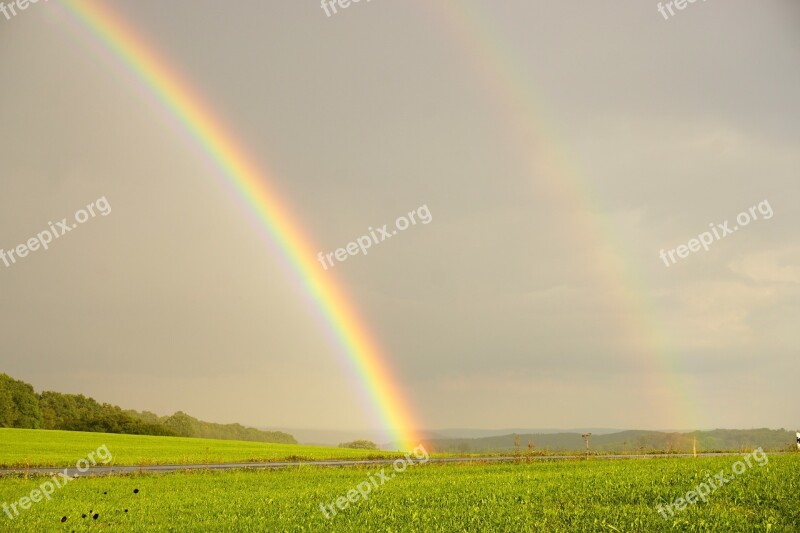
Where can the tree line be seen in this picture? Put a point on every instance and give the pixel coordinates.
(21, 407)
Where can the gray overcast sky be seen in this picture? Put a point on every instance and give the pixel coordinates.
(521, 304)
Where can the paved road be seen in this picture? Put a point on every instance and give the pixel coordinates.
(161, 469)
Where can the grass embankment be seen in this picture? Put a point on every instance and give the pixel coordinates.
(30, 448)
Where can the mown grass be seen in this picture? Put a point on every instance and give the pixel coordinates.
(25, 447)
(573, 496)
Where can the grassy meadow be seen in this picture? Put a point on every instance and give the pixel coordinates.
(569, 496)
(576, 495)
(30, 448)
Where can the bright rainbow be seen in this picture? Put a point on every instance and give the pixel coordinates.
(224, 151)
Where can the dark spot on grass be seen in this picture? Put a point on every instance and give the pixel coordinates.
(126, 510)
(136, 491)
(63, 519)
(95, 515)
(83, 515)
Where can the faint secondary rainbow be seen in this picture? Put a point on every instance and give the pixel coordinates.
(224, 151)
(470, 26)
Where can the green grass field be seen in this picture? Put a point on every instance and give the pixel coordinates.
(579, 495)
(560, 496)
(27, 447)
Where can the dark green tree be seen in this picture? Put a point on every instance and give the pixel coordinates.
(360, 445)
(19, 407)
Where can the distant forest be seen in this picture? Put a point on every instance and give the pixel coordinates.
(21, 407)
(635, 441)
